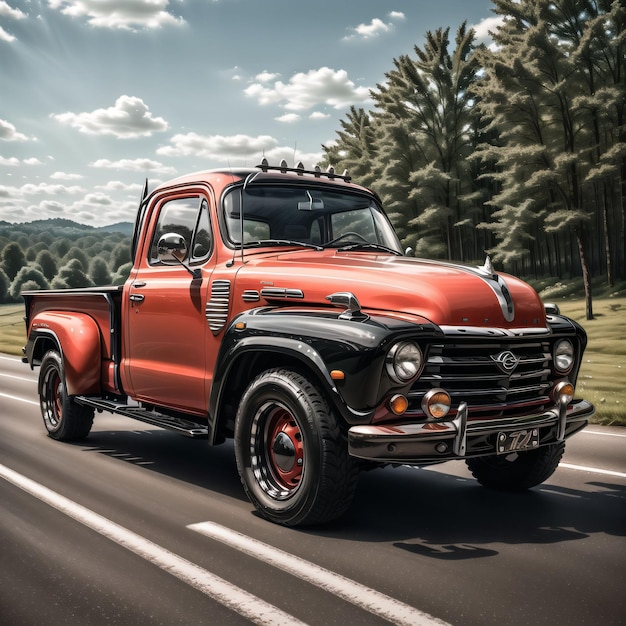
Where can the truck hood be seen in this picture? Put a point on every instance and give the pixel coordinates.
(443, 293)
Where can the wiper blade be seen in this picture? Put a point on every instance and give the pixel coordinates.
(368, 246)
(266, 243)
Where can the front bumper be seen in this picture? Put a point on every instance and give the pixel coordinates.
(434, 442)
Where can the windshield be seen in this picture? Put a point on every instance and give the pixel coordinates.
(283, 215)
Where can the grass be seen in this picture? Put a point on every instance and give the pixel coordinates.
(12, 328)
(602, 378)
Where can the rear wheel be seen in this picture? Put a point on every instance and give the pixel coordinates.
(518, 471)
(291, 454)
(63, 417)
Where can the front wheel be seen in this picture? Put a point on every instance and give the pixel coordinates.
(291, 453)
(63, 417)
(518, 471)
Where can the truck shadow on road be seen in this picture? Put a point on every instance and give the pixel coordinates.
(428, 513)
(449, 518)
(190, 460)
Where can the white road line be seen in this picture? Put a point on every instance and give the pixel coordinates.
(30, 380)
(364, 597)
(10, 358)
(10, 397)
(597, 432)
(593, 470)
(220, 590)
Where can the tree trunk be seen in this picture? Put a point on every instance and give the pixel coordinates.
(585, 270)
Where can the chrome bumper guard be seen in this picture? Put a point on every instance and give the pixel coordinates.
(441, 441)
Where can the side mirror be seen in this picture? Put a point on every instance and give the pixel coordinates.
(172, 250)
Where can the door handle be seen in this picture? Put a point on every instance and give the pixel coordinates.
(139, 283)
(136, 297)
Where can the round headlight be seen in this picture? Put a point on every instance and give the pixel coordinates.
(404, 361)
(563, 355)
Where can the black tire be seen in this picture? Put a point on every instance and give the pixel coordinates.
(291, 454)
(518, 471)
(63, 417)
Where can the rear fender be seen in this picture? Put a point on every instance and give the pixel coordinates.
(77, 337)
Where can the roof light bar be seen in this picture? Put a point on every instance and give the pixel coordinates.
(300, 170)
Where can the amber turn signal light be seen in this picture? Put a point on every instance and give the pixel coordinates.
(563, 393)
(398, 404)
(436, 403)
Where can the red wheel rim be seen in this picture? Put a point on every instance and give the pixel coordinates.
(285, 447)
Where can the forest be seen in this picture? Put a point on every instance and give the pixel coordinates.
(516, 150)
(61, 254)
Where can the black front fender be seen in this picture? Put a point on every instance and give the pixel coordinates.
(317, 342)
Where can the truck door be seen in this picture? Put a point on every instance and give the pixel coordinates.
(166, 328)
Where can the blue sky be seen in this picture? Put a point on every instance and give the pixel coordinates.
(97, 95)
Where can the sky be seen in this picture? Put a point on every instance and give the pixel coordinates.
(98, 95)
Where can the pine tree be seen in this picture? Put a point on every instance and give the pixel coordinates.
(13, 259)
(28, 274)
(99, 272)
(72, 275)
(47, 263)
(426, 135)
(355, 148)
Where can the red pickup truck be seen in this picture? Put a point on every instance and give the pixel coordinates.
(275, 306)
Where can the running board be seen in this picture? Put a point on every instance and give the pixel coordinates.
(136, 412)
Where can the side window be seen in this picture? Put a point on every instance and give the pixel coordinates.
(203, 240)
(189, 218)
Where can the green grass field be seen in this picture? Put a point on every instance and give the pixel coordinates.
(602, 378)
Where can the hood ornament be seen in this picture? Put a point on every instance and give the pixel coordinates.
(488, 267)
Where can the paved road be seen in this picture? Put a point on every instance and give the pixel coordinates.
(141, 526)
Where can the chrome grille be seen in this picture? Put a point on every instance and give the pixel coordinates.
(476, 372)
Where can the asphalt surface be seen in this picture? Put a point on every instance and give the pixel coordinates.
(137, 525)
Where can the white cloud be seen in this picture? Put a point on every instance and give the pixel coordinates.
(266, 77)
(318, 115)
(30, 189)
(375, 28)
(482, 29)
(306, 90)
(122, 14)
(118, 185)
(236, 149)
(8, 11)
(288, 118)
(217, 146)
(129, 118)
(97, 199)
(9, 133)
(64, 176)
(134, 165)
(11, 162)
(32, 161)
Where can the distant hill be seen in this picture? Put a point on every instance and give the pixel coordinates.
(59, 226)
(125, 228)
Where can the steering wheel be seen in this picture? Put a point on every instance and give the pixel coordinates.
(346, 235)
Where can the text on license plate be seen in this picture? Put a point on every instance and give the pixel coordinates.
(517, 440)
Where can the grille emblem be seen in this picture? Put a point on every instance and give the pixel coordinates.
(506, 361)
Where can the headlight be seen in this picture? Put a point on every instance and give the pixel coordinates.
(563, 355)
(404, 361)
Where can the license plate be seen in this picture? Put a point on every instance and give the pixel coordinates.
(517, 440)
